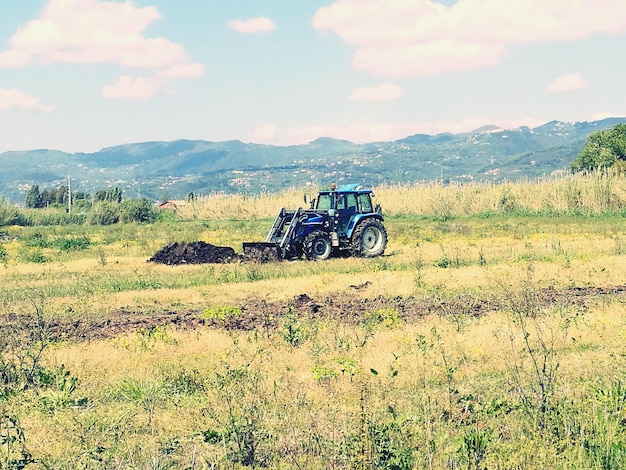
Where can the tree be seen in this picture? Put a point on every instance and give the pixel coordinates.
(114, 195)
(602, 149)
(111, 195)
(60, 196)
(33, 197)
(100, 195)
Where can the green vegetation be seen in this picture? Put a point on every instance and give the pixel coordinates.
(474, 343)
(104, 212)
(603, 149)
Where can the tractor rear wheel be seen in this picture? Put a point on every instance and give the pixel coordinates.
(369, 239)
(317, 246)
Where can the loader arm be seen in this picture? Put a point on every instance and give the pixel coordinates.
(278, 243)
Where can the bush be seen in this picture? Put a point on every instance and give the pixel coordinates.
(48, 217)
(137, 210)
(76, 243)
(33, 255)
(103, 213)
(8, 214)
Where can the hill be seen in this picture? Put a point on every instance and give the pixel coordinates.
(161, 170)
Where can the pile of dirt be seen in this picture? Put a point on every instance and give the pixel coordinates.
(261, 252)
(194, 253)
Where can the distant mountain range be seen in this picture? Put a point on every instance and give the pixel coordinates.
(171, 170)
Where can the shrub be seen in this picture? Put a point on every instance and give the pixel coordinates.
(103, 213)
(137, 210)
(8, 214)
(76, 243)
(34, 255)
(49, 216)
(35, 240)
(221, 313)
(383, 318)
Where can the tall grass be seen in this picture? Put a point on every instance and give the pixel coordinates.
(590, 193)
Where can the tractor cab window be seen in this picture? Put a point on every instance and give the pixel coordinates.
(347, 201)
(365, 203)
(324, 202)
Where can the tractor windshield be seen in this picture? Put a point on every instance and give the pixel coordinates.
(324, 202)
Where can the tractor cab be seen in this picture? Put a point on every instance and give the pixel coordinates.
(348, 205)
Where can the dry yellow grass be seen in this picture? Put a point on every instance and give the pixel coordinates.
(449, 263)
(594, 193)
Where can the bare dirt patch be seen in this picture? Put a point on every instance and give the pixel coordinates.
(351, 309)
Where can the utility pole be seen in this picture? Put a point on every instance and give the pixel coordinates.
(69, 194)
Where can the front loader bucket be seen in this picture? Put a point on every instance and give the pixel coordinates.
(262, 252)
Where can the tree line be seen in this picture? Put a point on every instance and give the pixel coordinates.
(36, 199)
(104, 207)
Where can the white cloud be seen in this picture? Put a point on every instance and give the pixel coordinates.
(129, 87)
(253, 25)
(18, 99)
(264, 134)
(92, 31)
(135, 88)
(566, 83)
(97, 31)
(13, 59)
(382, 92)
(422, 37)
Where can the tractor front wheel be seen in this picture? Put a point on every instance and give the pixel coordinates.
(369, 239)
(317, 246)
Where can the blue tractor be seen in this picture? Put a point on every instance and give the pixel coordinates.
(339, 221)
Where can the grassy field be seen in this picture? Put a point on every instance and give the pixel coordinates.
(489, 336)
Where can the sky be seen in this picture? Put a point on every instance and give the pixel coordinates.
(81, 75)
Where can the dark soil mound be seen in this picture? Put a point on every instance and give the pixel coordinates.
(194, 253)
(261, 252)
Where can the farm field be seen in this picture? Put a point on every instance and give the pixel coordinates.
(490, 335)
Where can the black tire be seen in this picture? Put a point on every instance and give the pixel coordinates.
(317, 246)
(369, 239)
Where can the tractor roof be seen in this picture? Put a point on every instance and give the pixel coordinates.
(348, 188)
